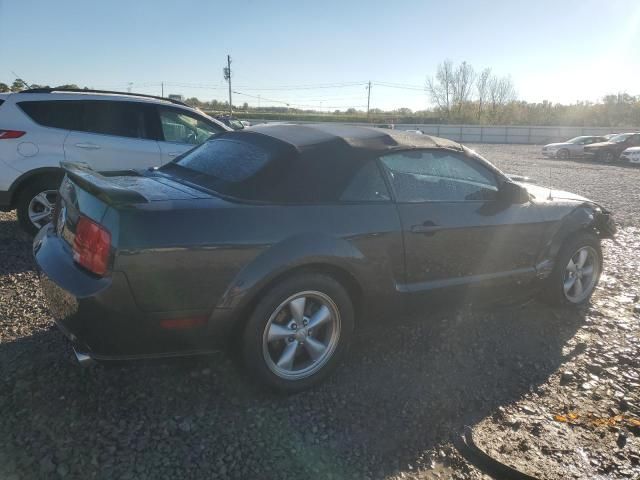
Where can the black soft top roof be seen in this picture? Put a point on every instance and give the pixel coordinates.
(300, 163)
(327, 135)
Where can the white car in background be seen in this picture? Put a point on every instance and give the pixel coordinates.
(631, 155)
(107, 131)
(570, 148)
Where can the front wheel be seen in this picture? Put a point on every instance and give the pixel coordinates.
(577, 271)
(298, 332)
(563, 154)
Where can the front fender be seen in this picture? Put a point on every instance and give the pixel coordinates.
(298, 251)
(586, 217)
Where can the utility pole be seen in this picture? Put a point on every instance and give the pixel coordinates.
(162, 89)
(227, 77)
(368, 98)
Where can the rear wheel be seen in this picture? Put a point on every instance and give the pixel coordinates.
(36, 202)
(577, 271)
(298, 332)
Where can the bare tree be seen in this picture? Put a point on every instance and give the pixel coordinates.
(462, 85)
(482, 88)
(441, 89)
(501, 92)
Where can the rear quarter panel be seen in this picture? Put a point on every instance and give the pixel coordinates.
(201, 254)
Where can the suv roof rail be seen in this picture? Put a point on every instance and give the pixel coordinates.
(109, 92)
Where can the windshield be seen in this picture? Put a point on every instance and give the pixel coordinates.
(620, 138)
(577, 139)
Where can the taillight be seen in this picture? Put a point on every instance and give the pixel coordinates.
(91, 246)
(6, 134)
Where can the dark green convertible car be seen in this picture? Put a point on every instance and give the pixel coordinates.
(284, 241)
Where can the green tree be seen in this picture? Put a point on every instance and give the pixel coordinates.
(18, 85)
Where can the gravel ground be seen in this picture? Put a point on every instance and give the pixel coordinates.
(551, 392)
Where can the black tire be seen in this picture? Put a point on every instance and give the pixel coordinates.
(553, 292)
(607, 157)
(563, 154)
(255, 350)
(29, 192)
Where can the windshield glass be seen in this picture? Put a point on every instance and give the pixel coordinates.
(577, 139)
(620, 138)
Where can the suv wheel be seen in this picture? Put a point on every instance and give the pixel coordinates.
(298, 332)
(36, 203)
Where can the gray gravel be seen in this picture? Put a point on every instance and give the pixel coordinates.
(389, 412)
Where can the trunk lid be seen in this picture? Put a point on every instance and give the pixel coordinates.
(89, 193)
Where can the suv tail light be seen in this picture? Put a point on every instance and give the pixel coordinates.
(7, 134)
(91, 246)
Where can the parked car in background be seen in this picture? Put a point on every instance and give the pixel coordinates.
(610, 150)
(231, 122)
(272, 241)
(631, 155)
(105, 130)
(570, 148)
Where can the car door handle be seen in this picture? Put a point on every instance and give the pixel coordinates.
(88, 146)
(173, 154)
(426, 228)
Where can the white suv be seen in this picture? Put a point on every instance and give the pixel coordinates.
(108, 131)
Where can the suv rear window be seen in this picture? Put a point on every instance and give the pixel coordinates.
(124, 119)
(54, 113)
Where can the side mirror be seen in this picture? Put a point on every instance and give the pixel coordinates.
(513, 193)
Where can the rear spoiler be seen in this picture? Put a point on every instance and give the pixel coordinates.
(100, 185)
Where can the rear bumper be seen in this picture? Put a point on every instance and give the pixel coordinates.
(100, 316)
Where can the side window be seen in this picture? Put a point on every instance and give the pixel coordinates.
(439, 176)
(64, 114)
(181, 127)
(123, 119)
(366, 185)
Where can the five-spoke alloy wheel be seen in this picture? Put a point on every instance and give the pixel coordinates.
(301, 335)
(581, 274)
(577, 270)
(298, 331)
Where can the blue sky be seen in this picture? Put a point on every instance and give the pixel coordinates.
(560, 50)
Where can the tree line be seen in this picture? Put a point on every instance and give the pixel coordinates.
(459, 95)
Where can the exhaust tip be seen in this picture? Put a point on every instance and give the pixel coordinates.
(83, 359)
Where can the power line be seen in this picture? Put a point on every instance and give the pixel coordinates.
(288, 103)
(401, 86)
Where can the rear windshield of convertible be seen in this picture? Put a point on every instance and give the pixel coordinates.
(256, 167)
